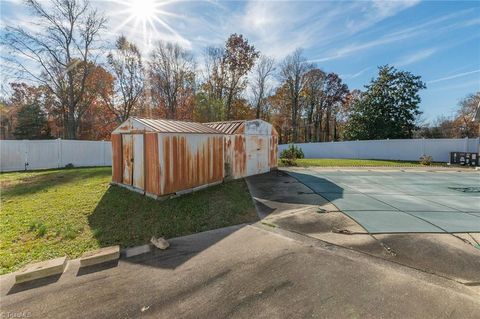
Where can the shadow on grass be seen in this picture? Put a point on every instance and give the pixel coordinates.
(126, 218)
(27, 183)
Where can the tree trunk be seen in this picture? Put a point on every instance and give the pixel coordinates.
(318, 126)
(327, 125)
(334, 129)
(257, 115)
(71, 127)
(229, 105)
(309, 130)
(294, 120)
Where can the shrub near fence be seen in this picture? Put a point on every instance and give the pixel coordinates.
(402, 149)
(18, 155)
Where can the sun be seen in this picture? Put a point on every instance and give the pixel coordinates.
(146, 20)
(143, 9)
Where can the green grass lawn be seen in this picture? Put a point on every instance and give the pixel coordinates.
(52, 213)
(336, 162)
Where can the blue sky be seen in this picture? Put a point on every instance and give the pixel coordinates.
(439, 40)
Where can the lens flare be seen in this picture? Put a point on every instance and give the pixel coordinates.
(148, 18)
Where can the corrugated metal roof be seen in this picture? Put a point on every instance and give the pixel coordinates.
(172, 126)
(227, 127)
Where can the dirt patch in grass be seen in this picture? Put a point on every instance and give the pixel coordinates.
(47, 214)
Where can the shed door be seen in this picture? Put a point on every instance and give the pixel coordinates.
(138, 162)
(127, 158)
(257, 154)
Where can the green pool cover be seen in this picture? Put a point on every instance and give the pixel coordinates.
(402, 201)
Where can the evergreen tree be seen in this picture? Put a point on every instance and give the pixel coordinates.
(31, 122)
(389, 107)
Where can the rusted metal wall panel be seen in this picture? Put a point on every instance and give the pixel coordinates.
(228, 155)
(152, 168)
(138, 161)
(117, 158)
(189, 160)
(273, 151)
(257, 147)
(239, 156)
(235, 155)
(127, 156)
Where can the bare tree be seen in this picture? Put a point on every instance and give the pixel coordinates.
(172, 77)
(214, 73)
(126, 64)
(313, 91)
(465, 122)
(263, 71)
(292, 73)
(60, 46)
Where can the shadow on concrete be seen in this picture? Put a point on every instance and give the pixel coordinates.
(16, 288)
(96, 268)
(183, 248)
(276, 192)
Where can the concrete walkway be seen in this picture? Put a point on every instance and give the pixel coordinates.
(245, 272)
(282, 201)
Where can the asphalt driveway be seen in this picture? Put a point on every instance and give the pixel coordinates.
(245, 272)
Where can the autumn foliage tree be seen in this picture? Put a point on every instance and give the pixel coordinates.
(239, 57)
(225, 73)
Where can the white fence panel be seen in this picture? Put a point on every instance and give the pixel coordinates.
(85, 153)
(402, 149)
(12, 155)
(42, 154)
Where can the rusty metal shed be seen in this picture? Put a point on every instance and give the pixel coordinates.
(250, 147)
(161, 157)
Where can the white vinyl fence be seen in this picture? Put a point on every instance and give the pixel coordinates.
(406, 150)
(19, 155)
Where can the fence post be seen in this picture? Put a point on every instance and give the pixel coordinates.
(103, 151)
(25, 146)
(59, 152)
